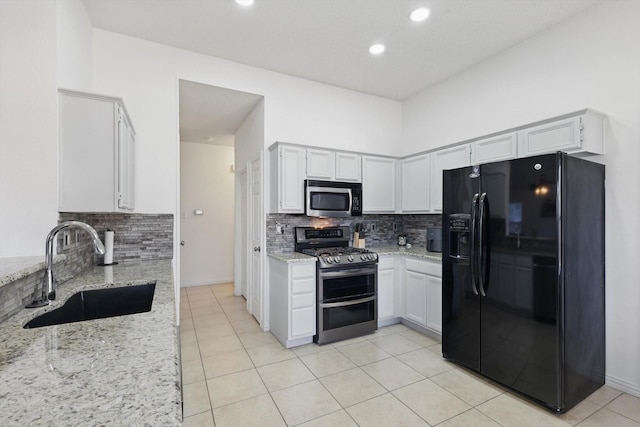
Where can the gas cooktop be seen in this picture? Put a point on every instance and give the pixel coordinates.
(331, 247)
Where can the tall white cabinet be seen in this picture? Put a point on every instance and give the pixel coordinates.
(96, 154)
(379, 177)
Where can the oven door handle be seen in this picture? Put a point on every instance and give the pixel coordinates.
(346, 303)
(345, 273)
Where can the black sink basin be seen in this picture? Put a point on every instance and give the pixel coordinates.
(98, 304)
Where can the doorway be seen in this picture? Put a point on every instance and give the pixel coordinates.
(212, 226)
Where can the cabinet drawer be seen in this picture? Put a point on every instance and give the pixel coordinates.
(431, 268)
(303, 322)
(303, 300)
(386, 263)
(301, 286)
(305, 270)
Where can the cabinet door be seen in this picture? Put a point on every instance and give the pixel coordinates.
(320, 164)
(378, 184)
(503, 147)
(348, 167)
(291, 179)
(126, 163)
(561, 135)
(434, 303)
(386, 288)
(449, 158)
(415, 286)
(415, 184)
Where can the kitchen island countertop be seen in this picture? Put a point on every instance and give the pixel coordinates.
(115, 371)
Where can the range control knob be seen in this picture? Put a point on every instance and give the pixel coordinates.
(350, 258)
(328, 260)
(336, 259)
(363, 257)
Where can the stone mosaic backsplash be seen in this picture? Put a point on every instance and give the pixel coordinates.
(379, 229)
(137, 236)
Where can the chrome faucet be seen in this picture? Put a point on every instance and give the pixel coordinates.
(49, 283)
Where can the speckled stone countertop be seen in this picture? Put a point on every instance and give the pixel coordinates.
(290, 257)
(414, 251)
(15, 268)
(119, 371)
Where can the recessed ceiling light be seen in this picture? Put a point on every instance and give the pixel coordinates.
(419, 15)
(245, 3)
(376, 49)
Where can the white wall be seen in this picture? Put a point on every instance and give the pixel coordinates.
(28, 126)
(592, 61)
(74, 46)
(43, 45)
(206, 183)
(146, 75)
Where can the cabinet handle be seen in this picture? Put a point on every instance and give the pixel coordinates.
(256, 249)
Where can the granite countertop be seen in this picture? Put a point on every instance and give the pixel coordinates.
(115, 371)
(414, 251)
(290, 257)
(16, 268)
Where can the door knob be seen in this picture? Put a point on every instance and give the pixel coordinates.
(182, 243)
(256, 249)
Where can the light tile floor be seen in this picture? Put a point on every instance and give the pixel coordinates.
(234, 374)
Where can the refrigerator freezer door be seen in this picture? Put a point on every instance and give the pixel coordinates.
(460, 299)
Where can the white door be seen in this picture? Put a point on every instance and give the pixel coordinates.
(255, 239)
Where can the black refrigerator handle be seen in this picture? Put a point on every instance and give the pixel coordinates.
(472, 245)
(482, 256)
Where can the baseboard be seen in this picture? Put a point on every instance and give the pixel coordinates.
(622, 385)
(208, 282)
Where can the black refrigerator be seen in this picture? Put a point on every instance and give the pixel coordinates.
(523, 275)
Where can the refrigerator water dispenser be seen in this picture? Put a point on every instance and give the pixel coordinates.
(459, 236)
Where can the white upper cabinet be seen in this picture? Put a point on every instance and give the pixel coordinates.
(494, 149)
(415, 184)
(379, 184)
(287, 178)
(96, 154)
(333, 165)
(449, 158)
(320, 164)
(348, 167)
(581, 132)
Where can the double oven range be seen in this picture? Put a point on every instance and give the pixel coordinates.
(347, 283)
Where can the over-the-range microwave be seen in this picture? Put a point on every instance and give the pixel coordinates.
(332, 198)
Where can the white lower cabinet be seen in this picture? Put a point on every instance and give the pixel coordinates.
(292, 301)
(387, 289)
(423, 293)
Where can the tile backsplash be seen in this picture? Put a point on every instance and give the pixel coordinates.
(138, 237)
(379, 229)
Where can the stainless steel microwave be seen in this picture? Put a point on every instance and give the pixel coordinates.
(332, 199)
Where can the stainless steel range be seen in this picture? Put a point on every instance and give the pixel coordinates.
(347, 283)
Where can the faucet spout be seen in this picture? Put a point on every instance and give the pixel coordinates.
(49, 284)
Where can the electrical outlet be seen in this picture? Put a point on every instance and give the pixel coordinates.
(66, 239)
(373, 227)
(395, 227)
(77, 237)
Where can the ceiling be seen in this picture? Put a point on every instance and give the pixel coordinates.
(327, 40)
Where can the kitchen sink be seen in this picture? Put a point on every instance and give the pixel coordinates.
(98, 304)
